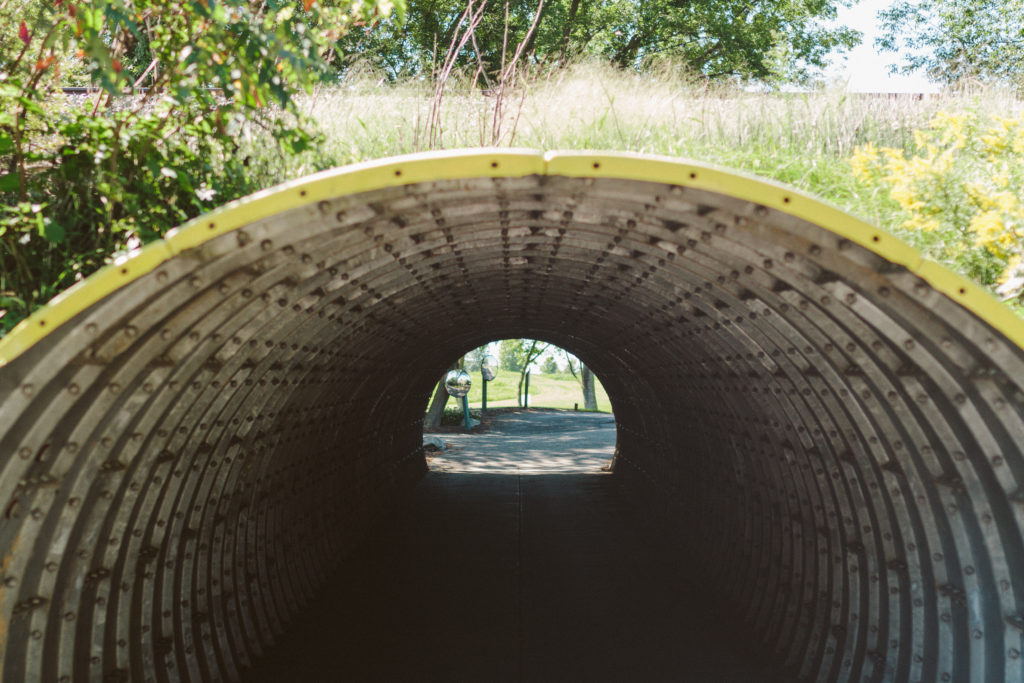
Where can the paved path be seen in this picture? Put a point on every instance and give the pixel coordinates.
(505, 569)
(532, 442)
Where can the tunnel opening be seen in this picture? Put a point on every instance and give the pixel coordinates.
(514, 426)
(830, 428)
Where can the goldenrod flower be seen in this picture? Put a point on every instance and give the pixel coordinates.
(987, 227)
(963, 182)
(995, 141)
(863, 161)
(951, 126)
(1005, 201)
(905, 197)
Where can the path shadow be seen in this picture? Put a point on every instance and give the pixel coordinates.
(532, 442)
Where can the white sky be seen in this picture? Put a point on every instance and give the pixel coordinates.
(864, 69)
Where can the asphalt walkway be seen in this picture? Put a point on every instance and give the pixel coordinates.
(518, 559)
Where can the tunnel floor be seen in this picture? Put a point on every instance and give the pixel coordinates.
(518, 558)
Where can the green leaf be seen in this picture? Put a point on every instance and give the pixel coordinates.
(52, 231)
(9, 182)
(30, 105)
(185, 183)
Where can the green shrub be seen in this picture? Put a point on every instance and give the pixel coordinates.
(958, 194)
(453, 416)
(155, 143)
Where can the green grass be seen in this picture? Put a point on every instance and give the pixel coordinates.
(803, 139)
(560, 390)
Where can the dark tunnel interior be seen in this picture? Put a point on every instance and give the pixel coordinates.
(188, 459)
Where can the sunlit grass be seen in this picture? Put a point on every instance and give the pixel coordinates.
(803, 139)
(560, 390)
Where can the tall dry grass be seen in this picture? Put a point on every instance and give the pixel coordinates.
(803, 139)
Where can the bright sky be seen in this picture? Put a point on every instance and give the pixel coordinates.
(865, 69)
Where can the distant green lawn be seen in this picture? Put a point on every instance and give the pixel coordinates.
(546, 391)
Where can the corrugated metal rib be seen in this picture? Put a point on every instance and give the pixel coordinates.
(192, 438)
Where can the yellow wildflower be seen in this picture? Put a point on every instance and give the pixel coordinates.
(996, 140)
(987, 228)
(963, 168)
(891, 155)
(919, 222)
(904, 195)
(921, 167)
(862, 162)
(1005, 201)
(951, 126)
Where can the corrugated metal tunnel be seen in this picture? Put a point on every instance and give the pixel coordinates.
(193, 438)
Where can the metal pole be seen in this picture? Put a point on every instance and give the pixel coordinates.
(526, 391)
(465, 410)
(483, 401)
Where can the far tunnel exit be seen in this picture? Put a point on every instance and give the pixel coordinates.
(519, 405)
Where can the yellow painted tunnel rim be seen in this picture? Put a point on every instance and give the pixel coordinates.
(504, 163)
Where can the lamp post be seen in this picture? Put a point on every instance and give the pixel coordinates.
(457, 383)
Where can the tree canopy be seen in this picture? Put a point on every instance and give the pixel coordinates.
(766, 40)
(957, 40)
(512, 354)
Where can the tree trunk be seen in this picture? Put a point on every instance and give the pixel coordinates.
(589, 395)
(530, 39)
(437, 404)
(567, 31)
(530, 356)
(626, 55)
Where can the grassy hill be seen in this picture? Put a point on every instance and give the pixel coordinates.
(560, 390)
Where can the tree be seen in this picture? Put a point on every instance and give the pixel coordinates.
(589, 395)
(474, 359)
(549, 366)
(957, 40)
(532, 349)
(511, 354)
(723, 38)
(586, 379)
(571, 363)
(517, 355)
(767, 40)
(432, 420)
(156, 142)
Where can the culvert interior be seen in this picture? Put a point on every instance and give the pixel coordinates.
(193, 439)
